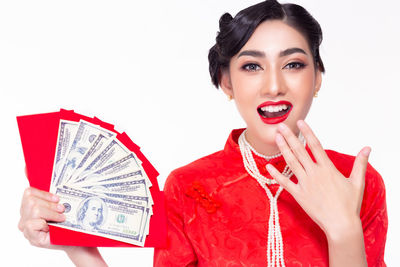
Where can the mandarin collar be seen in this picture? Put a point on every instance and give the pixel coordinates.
(232, 149)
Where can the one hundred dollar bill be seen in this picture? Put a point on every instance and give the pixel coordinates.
(136, 187)
(83, 140)
(124, 165)
(136, 175)
(101, 216)
(112, 151)
(66, 133)
(101, 183)
(137, 200)
(90, 155)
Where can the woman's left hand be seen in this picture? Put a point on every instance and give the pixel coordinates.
(330, 199)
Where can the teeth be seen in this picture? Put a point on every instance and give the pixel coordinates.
(274, 108)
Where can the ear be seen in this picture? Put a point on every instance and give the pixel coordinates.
(226, 84)
(318, 81)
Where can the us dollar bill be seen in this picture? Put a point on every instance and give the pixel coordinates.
(101, 183)
(66, 133)
(130, 176)
(113, 151)
(83, 140)
(138, 200)
(90, 155)
(102, 216)
(137, 188)
(124, 165)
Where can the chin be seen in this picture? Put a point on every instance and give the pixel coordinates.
(263, 134)
(268, 136)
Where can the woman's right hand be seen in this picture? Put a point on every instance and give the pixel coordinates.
(37, 208)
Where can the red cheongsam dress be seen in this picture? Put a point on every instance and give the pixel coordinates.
(218, 215)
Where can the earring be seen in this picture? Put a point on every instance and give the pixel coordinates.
(316, 94)
(230, 97)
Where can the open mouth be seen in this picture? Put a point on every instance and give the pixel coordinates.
(274, 112)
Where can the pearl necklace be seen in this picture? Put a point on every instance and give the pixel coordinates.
(250, 165)
(275, 244)
(268, 158)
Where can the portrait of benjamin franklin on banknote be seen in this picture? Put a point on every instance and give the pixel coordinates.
(91, 213)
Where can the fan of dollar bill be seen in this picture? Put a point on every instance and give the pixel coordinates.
(101, 183)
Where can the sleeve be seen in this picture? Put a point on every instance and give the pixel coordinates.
(374, 218)
(179, 250)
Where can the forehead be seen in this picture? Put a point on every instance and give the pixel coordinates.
(273, 36)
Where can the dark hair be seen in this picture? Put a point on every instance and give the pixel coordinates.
(235, 32)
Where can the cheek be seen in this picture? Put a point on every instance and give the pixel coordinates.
(302, 85)
(246, 86)
(246, 94)
(302, 90)
(303, 82)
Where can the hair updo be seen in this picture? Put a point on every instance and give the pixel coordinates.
(235, 32)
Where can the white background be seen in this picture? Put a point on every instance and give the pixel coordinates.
(143, 66)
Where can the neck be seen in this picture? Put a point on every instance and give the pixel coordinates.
(263, 147)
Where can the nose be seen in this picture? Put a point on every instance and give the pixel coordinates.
(273, 83)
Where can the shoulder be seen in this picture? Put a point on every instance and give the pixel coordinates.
(204, 167)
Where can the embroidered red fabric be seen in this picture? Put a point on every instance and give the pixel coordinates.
(218, 215)
(198, 193)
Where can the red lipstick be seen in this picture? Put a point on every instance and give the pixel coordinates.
(275, 116)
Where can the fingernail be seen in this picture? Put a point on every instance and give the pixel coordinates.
(60, 207)
(281, 127)
(269, 167)
(300, 123)
(366, 151)
(55, 198)
(279, 139)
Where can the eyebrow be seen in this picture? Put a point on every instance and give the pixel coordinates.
(253, 53)
(290, 51)
(286, 52)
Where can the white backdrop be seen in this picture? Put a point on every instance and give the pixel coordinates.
(143, 66)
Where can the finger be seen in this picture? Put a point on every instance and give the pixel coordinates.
(30, 207)
(284, 181)
(36, 231)
(35, 225)
(289, 157)
(44, 210)
(312, 141)
(360, 166)
(34, 192)
(296, 146)
(48, 215)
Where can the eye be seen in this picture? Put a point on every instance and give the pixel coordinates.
(295, 65)
(251, 67)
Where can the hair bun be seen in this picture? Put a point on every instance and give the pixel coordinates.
(225, 20)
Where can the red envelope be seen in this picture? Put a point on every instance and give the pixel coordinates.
(39, 137)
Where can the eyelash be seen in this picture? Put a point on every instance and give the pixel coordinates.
(251, 67)
(295, 65)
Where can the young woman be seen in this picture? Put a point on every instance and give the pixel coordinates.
(273, 196)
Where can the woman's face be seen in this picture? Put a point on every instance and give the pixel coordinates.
(273, 80)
